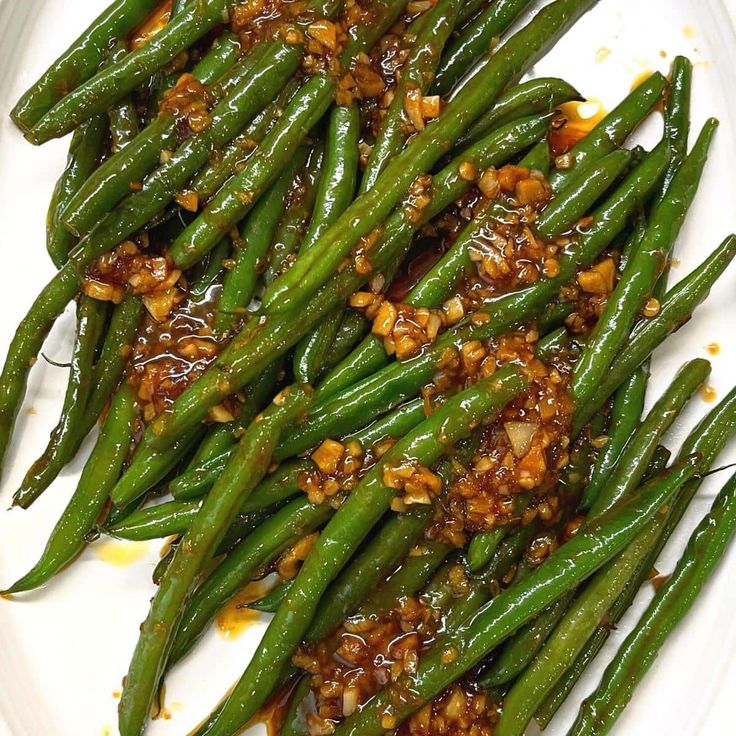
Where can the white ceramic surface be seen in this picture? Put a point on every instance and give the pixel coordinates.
(64, 650)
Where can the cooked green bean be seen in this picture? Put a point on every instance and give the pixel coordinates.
(100, 473)
(80, 61)
(62, 445)
(197, 548)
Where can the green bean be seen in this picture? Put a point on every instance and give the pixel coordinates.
(271, 601)
(230, 205)
(80, 61)
(564, 685)
(295, 220)
(259, 548)
(234, 156)
(336, 187)
(256, 236)
(351, 331)
(314, 268)
(474, 41)
(85, 152)
(614, 129)
(539, 158)
(106, 87)
(307, 107)
(197, 548)
(256, 347)
(124, 123)
(677, 115)
(91, 316)
(638, 452)
(156, 522)
(371, 566)
(363, 508)
(100, 472)
(676, 308)
(417, 73)
(174, 517)
(626, 411)
(339, 414)
(111, 182)
(408, 580)
(708, 440)
(431, 291)
(210, 269)
(335, 192)
(570, 634)
(581, 193)
(536, 96)
(224, 436)
(671, 603)
(569, 565)
(311, 352)
(148, 467)
(196, 481)
(642, 271)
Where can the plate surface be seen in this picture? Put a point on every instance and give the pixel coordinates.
(63, 650)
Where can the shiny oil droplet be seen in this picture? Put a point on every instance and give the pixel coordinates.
(708, 394)
(121, 554)
(713, 348)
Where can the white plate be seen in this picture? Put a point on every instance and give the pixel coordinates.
(63, 650)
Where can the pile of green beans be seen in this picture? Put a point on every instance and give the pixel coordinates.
(292, 190)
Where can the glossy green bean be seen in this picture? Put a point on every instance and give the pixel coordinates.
(354, 520)
(80, 61)
(677, 307)
(262, 546)
(91, 315)
(295, 220)
(643, 269)
(417, 73)
(256, 236)
(533, 97)
(112, 181)
(639, 451)
(474, 41)
(149, 467)
(382, 554)
(197, 548)
(335, 192)
(626, 411)
(313, 269)
(408, 580)
(671, 603)
(104, 465)
(85, 152)
(271, 601)
(124, 123)
(613, 130)
(581, 193)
